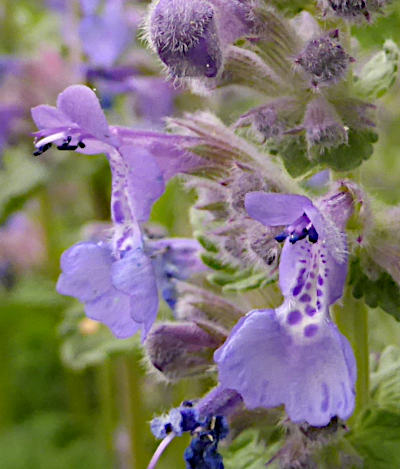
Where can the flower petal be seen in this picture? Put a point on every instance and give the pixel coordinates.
(113, 310)
(47, 117)
(315, 380)
(81, 105)
(144, 180)
(86, 271)
(272, 209)
(134, 275)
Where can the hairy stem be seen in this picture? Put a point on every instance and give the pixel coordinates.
(352, 320)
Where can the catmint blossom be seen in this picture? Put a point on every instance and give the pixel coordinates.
(294, 354)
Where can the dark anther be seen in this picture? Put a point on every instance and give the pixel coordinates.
(281, 237)
(42, 149)
(312, 234)
(294, 237)
(81, 144)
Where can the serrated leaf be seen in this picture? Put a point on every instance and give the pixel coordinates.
(385, 381)
(383, 291)
(293, 151)
(379, 74)
(349, 156)
(205, 242)
(376, 437)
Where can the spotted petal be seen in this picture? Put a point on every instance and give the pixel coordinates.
(314, 380)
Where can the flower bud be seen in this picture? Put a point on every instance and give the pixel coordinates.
(323, 126)
(273, 119)
(324, 59)
(180, 350)
(185, 37)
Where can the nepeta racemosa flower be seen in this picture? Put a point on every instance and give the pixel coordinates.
(141, 163)
(295, 355)
(190, 35)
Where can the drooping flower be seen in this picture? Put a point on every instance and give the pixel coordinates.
(121, 293)
(295, 355)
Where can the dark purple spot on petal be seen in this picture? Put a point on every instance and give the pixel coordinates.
(308, 285)
(318, 304)
(294, 317)
(303, 261)
(320, 280)
(310, 330)
(312, 275)
(324, 261)
(310, 311)
(297, 289)
(302, 272)
(325, 398)
(305, 298)
(319, 293)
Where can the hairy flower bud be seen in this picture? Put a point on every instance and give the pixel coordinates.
(353, 9)
(180, 350)
(323, 126)
(184, 34)
(324, 59)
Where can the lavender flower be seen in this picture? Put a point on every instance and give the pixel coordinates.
(104, 37)
(295, 355)
(79, 124)
(121, 293)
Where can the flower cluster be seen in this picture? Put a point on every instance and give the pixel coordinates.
(257, 226)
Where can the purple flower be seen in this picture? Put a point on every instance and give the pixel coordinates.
(295, 355)
(121, 293)
(141, 161)
(174, 259)
(105, 37)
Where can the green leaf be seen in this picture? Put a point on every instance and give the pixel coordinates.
(376, 437)
(379, 74)
(385, 381)
(383, 291)
(349, 156)
(293, 151)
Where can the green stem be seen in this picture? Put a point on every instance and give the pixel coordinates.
(133, 409)
(105, 386)
(352, 320)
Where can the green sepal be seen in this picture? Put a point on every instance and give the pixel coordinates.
(383, 291)
(379, 74)
(205, 242)
(253, 281)
(215, 263)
